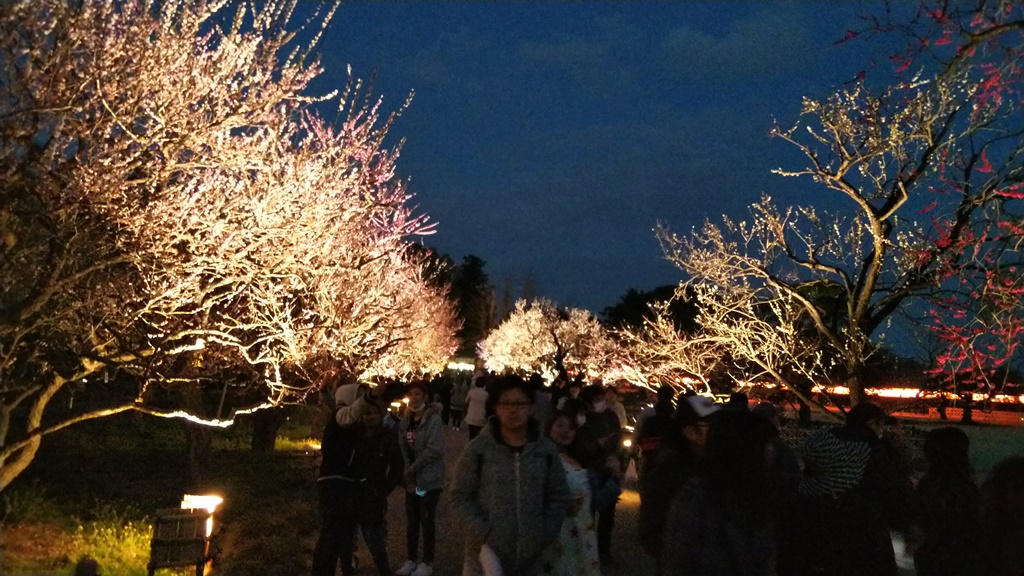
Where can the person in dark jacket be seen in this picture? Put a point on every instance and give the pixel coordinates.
(723, 522)
(361, 465)
(679, 458)
(1002, 519)
(948, 500)
(786, 464)
(509, 489)
(850, 497)
(604, 430)
(655, 423)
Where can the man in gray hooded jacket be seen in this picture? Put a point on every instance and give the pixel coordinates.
(509, 487)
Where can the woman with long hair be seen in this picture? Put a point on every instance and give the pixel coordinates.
(575, 552)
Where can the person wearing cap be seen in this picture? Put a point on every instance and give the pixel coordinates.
(421, 435)
(679, 458)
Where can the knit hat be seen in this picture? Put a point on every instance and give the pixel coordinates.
(833, 466)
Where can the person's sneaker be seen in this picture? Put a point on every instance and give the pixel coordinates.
(423, 569)
(407, 569)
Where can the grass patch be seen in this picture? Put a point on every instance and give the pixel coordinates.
(138, 465)
(48, 541)
(993, 444)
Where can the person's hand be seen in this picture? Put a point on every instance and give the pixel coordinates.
(575, 505)
(614, 467)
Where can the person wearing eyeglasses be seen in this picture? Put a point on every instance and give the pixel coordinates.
(509, 489)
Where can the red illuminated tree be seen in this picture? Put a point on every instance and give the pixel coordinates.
(175, 218)
(978, 320)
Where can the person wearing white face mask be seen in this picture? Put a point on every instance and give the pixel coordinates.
(421, 435)
(603, 433)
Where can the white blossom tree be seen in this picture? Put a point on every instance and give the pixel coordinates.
(657, 354)
(174, 215)
(541, 337)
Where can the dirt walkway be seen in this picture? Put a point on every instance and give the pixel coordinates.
(630, 559)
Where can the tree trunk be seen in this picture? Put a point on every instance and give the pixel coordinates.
(857, 394)
(265, 424)
(319, 421)
(968, 414)
(199, 442)
(15, 461)
(803, 415)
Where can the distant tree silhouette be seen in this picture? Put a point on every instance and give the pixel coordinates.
(635, 307)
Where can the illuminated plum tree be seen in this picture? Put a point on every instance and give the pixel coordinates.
(174, 217)
(930, 168)
(541, 337)
(656, 353)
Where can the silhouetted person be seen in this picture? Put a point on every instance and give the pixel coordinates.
(851, 494)
(677, 460)
(948, 500)
(654, 424)
(1002, 519)
(604, 430)
(722, 523)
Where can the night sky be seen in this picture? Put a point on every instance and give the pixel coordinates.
(549, 138)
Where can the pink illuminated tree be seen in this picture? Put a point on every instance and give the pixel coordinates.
(177, 222)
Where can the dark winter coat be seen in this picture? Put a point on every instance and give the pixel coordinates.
(599, 425)
(948, 519)
(709, 535)
(365, 467)
(666, 471)
(654, 427)
(512, 500)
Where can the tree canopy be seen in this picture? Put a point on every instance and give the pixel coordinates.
(173, 210)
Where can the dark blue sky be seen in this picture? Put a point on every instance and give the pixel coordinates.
(548, 138)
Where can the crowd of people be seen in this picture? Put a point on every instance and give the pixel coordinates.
(536, 487)
(721, 494)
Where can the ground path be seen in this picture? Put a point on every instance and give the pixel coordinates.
(630, 558)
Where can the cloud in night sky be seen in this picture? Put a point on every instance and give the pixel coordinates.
(765, 43)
